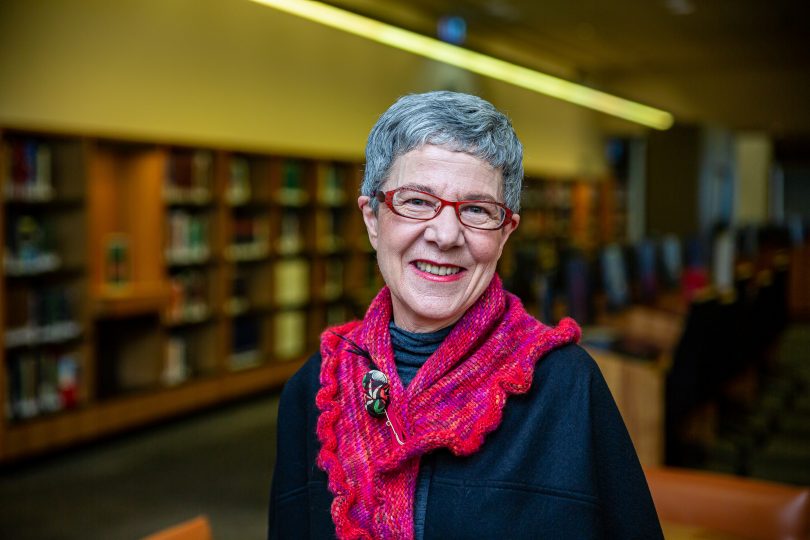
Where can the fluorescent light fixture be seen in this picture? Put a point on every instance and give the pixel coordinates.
(473, 61)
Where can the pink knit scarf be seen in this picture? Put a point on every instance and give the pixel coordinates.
(454, 400)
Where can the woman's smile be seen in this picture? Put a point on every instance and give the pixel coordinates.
(438, 271)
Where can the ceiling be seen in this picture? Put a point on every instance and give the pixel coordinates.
(743, 64)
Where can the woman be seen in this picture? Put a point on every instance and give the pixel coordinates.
(448, 411)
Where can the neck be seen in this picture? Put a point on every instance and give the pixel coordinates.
(423, 326)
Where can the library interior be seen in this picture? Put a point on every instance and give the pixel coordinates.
(180, 224)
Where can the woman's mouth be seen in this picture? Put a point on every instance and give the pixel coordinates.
(437, 269)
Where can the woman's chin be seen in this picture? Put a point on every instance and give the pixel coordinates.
(425, 313)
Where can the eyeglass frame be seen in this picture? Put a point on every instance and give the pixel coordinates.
(388, 198)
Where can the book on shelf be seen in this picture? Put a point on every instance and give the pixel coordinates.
(175, 368)
(188, 177)
(40, 316)
(239, 299)
(250, 238)
(329, 226)
(291, 278)
(23, 379)
(29, 172)
(188, 238)
(246, 344)
(238, 190)
(30, 245)
(188, 297)
(289, 334)
(293, 190)
(331, 186)
(40, 382)
(332, 287)
(290, 239)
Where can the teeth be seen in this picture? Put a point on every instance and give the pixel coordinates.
(436, 269)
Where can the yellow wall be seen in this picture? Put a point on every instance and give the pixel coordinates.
(232, 72)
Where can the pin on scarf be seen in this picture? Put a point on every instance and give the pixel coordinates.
(376, 387)
(377, 397)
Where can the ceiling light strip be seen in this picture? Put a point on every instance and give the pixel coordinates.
(472, 61)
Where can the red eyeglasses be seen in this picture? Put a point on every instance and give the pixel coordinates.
(415, 204)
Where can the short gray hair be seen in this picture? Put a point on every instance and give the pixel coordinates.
(458, 122)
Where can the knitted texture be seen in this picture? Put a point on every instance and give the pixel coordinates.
(456, 398)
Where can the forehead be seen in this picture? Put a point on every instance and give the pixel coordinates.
(445, 171)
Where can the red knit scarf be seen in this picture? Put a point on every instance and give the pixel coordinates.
(454, 400)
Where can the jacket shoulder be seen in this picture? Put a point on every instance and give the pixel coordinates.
(569, 362)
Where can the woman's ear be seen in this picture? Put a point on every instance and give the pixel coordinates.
(509, 229)
(370, 219)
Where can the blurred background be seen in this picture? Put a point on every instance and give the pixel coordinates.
(179, 224)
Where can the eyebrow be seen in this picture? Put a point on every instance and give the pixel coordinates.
(474, 196)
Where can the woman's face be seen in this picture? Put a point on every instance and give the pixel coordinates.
(413, 254)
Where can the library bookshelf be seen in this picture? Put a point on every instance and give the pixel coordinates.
(143, 280)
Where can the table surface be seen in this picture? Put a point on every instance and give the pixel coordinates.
(678, 531)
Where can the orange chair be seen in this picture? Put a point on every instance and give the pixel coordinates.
(743, 507)
(194, 529)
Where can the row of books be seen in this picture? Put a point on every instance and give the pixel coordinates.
(188, 177)
(30, 246)
(37, 316)
(293, 191)
(239, 190)
(188, 299)
(254, 231)
(29, 171)
(289, 329)
(188, 238)
(291, 285)
(251, 234)
(41, 382)
(250, 238)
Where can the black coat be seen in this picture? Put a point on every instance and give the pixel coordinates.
(561, 465)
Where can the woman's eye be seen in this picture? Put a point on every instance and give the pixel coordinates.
(417, 202)
(472, 209)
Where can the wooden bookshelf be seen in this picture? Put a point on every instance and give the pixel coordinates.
(192, 275)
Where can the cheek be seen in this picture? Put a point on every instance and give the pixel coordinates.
(485, 250)
(396, 238)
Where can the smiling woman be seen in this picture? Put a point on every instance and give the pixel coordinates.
(481, 421)
(436, 266)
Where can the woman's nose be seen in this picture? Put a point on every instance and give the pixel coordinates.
(445, 229)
